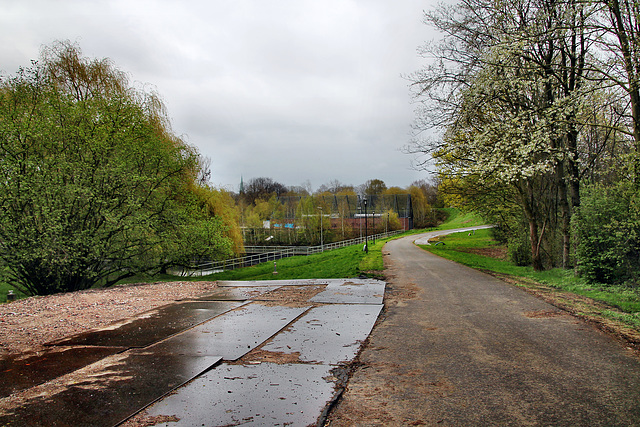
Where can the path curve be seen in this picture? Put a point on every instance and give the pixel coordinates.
(423, 239)
(458, 347)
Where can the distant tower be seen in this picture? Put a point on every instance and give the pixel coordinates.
(241, 185)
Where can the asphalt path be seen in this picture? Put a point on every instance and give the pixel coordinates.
(458, 347)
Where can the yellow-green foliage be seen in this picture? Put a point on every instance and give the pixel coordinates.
(219, 203)
(422, 211)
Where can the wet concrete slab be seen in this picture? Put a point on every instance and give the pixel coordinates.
(292, 282)
(25, 371)
(187, 339)
(329, 334)
(258, 395)
(109, 391)
(352, 292)
(233, 334)
(151, 326)
(242, 293)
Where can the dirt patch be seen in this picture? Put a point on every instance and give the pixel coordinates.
(352, 284)
(497, 252)
(25, 325)
(291, 296)
(396, 295)
(143, 419)
(260, 356)
(543, 314)
(378, 396)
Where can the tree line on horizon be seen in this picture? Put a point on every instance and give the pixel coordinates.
(266, 205)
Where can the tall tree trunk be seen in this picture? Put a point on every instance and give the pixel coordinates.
(535, 235)
(565, 214)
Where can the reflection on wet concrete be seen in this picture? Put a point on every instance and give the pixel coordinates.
(232, 335)
(329, 334)
(352, 291)
(237, 294)
(19, 373)
(151, 326)
(110, 391)
(258, 395)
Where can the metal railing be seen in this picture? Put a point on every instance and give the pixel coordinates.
(262, 254)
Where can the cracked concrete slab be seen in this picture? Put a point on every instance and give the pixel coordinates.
(258, 395)
(151, 326)
(352, 292)
(232, 335)
(329, 334)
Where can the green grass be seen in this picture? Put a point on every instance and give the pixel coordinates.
(341, 262)
(457, 219)
(457, 248)
(6, 286)
(350, 261)
(346, 262)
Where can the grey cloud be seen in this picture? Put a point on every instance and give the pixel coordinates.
(291, 89)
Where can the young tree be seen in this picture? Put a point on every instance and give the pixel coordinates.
(263, 188)
(373, 187)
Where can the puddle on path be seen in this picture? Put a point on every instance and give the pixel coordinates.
(19, 373)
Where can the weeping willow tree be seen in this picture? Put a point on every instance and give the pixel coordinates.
(94, 185)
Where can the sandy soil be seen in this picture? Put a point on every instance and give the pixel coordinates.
(27, 324)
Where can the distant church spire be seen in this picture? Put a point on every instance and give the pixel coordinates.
(241, 185)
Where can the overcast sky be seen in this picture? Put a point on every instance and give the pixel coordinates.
(293, 90)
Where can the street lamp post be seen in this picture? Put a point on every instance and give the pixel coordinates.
(366, 233)
(374, 226)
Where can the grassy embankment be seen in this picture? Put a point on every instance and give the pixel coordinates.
(350, 261)
(616, 308)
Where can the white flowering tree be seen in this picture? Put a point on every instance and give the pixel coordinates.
(506, 89)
